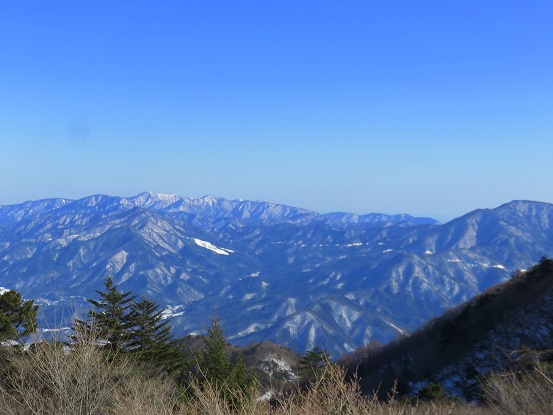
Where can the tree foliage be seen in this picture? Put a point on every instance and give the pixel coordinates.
(150, 339)
(433, 392)
(314, 363)
(111, 318)
(134, 329)
(17, 317)
(214, 366)
(213, 362)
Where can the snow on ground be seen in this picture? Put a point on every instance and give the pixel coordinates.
(116, 262)
(252, 328)
(61, 329)
(211, 247)
(394, 326)
(267, 396)
(274, 362)
(499, 266)
(172, 311)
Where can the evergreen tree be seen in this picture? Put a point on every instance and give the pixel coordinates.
(151, 340)
(213, 364)
(433, 392)
(313, 364)
(112, 322)
(241, 378)
(17, 317)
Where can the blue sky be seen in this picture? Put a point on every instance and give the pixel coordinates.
(431, 108)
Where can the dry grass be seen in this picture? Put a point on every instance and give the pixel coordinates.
(330, 394)
(513, 393)
(52, 380)
(49, 379)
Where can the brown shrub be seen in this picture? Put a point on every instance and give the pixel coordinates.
(519, 393)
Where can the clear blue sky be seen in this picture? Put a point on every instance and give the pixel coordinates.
(425, 107)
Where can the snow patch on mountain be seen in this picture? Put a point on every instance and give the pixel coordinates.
(172, 311)
(58, 330)
(117, 262)
(249, 330)
(274, 363)
(344, 315)
(287, 308)
(389, 323)
(213, 248)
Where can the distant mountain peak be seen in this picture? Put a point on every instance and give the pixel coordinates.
(210, 199)
(156, 196)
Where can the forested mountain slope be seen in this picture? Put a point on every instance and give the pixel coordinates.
(488, 333)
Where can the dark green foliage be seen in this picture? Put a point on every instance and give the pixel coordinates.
(134, 329)
(433, 392)
(150, 339)
(213, 365)
(240, 377)
(17, 317)
(313, 364)
(265, 359)
(112, 322)
(214, 362)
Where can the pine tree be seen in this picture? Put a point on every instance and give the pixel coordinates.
(214, 362)
(241, 378)
(151, 340)
(111, 323)
(232, 378)
(313, 364)
(17, 317)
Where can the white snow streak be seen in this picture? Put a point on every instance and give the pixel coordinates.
(211, 247)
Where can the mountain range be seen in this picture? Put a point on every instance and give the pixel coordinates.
(269, 271)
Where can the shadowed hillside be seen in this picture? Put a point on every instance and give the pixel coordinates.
(485, 334)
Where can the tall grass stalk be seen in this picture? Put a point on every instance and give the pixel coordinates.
(520, 393)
